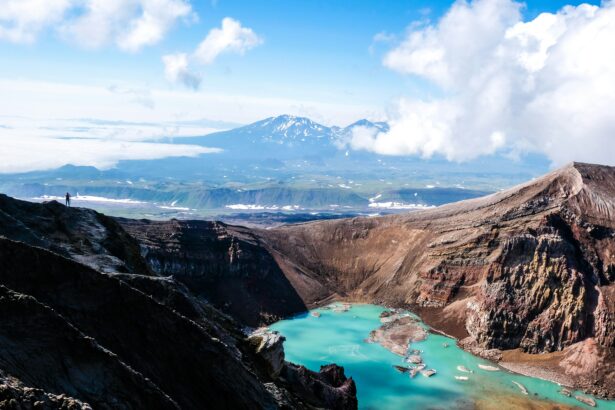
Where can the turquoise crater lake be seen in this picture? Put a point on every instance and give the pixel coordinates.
(339, 337)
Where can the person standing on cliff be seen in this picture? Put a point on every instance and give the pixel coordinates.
(67, 199)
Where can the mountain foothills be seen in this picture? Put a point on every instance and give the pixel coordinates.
(279, 162)
(110, 312)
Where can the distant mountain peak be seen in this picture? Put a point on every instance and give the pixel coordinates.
(301, 135)
(288, 118)
(288, 127)
(381, 126)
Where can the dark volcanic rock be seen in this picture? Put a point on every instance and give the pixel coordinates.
(42, 349)
(141, 332)
(15, 396)
(329, 387)
(225, 264)
(78, 337)
(82, 234)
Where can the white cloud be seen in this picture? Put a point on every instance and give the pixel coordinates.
(231, 37)
(176, 70)
(545, 85)
(22, 20)
(130, 24)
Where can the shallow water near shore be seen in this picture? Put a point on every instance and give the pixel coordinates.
(339, 337)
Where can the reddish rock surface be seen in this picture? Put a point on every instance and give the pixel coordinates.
(532, 267)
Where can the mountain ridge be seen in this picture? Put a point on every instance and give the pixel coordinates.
(289, 131)
(530, 268)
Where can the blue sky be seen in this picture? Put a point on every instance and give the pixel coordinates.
(455, 79)
(313, 50)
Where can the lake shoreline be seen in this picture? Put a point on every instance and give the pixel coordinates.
(529, 367)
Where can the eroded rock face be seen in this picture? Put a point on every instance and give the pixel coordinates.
(531, 268)
(227, 265)
(329, 387)
(269, 346)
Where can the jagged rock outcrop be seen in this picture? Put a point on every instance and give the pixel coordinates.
(81, 234)
(330, 386)
(15, 396)
(269, 346)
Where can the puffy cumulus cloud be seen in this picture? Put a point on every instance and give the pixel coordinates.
(24, 153)
(544, 85)
(231, 37)
(176, 70)
(130, 24)
(22, 20)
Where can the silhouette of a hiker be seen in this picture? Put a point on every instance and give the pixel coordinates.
(67, 199)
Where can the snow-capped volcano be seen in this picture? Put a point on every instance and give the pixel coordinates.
(284, 137)
(381, 126)
(289, 127)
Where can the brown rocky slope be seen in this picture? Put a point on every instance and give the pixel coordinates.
(530, 268)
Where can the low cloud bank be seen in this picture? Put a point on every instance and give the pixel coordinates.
(22, 154)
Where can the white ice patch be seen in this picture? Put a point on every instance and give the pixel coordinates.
(398, 205)
(245, 207)
(254, 207)
(176, 208)
(89, 198)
